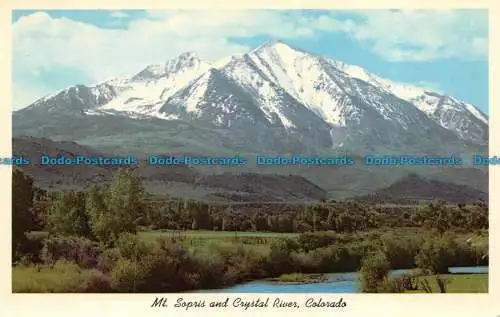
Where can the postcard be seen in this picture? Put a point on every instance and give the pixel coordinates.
(255, 160)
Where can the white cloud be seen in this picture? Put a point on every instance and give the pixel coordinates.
(42, 43)
(424, 35)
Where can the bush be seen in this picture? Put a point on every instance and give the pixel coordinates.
(323, 260)
(401, 252)
(213, 273)
(238, 262)
(314, 240)
(161, 266)
(170, 267)
(62, 277)
(81, 251)
(95, 281)
(437, 254)
(403, 283)
(280, 259)
(131, 247)
(373, 273)
(107, 260)
(31, 250)
(127, 276)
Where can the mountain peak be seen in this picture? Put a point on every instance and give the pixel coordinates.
(173, 65)
(187, 56)
(186, 59)
(271, 44)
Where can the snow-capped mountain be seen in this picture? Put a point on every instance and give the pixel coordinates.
(460, 117)
(275, 97)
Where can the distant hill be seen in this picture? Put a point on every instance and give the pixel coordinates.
(264, 187)
(414, 188)
(180, 180)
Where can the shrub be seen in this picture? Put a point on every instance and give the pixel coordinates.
(62, 277)
(169, 267)
(81, 251)
(107, 259)
(238, 262)
(127, 276)
(373, 273)
(324, 259)
(95, 281)
(213, 273)
(131, 247)
(403, 283)
(401, 252)
(280, 260)
(314, 240)
(32, 249)
(437, 254)
(67, 215)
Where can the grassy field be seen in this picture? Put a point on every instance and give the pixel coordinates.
(199, 240)
(205, 234)
(202, 237)
(457, 283)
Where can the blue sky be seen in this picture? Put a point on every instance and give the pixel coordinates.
(442, 50)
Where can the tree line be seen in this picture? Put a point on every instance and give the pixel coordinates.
(127, 206)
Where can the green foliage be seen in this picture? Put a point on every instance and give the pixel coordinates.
(78, 250)
(62, 277)
(127, 276)
(135, 264)
(116, 209)
(401, 251)
(280, 255)
(319, 260)
(99, 216)
(341, 217)
(403, 283)
(235, 262)
(436, 254)
(123, 261)
(440, 215)
(108, 259)
(124, 199)
(311, 241)
(22, 218)
(68, 215)
(373, 273)
(131, 247)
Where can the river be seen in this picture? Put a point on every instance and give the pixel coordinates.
(335, 283)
